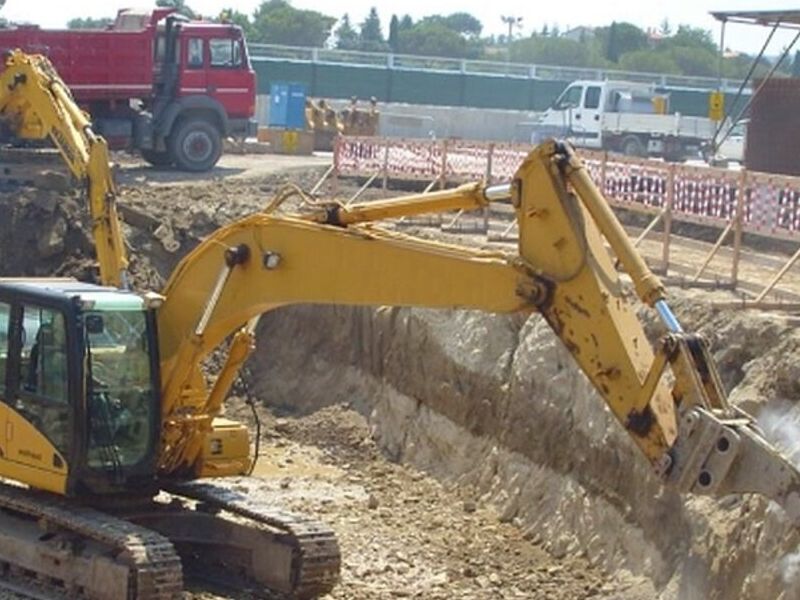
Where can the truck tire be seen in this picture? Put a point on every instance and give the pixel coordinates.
(632, 146)
(195, 145)
(156, 158)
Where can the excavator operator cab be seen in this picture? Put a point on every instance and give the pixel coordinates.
(79, 396)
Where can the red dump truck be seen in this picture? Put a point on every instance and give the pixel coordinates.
(155, 81)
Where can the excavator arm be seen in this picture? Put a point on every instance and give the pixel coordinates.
(563, 270)
(36, 104)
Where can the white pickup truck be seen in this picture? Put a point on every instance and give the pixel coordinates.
(623, 117)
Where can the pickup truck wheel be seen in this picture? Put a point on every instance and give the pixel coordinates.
(156, 158)
(632, 146)
(195, 145)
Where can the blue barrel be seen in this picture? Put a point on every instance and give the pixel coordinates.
(287, 105)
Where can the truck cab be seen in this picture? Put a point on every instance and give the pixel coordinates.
(575, 115)
(203, 91)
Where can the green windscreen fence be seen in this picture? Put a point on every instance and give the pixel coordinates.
(440, 88)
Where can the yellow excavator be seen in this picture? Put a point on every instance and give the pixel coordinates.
(104, 406)
(36, 104)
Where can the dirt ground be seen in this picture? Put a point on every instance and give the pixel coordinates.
(403, 532)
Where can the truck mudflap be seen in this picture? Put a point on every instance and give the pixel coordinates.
(242, 128)
(143, 132)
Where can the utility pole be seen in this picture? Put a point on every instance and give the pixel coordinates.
(511, 22)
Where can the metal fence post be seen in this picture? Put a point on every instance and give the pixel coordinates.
(443, 174)
(667, 236)
(488, 178)
(603, 167)
(337, 149)
(385, 164)
(738, 225)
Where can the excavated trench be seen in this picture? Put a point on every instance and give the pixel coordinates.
(495, 404)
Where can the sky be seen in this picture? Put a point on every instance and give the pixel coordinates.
(644, 13)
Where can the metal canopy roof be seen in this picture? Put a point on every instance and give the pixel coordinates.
(789, 19)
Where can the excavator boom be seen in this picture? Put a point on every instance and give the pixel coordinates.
(36, 104)
(563, 270)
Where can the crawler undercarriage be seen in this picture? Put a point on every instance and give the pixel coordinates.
(141, 549)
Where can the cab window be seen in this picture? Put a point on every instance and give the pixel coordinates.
(44, 354)
(592, 99)
(571, 98)
(225, 53)
(194, 53)
(41, 373)
(160, 50)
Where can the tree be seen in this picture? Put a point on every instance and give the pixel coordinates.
(231, 15)
(612, 45)
(430, 37)
(463, 23)
(648, 61)
(89, 23)
(179, 5)
(371, 36)
(277, 22)
(406, 23)
(557, 51)
(665, 29)
(695, 61)
(346, 35)
(620, 38)
(394, 32)
(693, 37)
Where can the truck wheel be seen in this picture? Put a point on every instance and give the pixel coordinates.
(632, 146)
(195, 145)
(156, 158)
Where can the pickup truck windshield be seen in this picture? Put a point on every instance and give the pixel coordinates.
(570, 98)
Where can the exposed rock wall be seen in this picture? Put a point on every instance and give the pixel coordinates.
(495, 402)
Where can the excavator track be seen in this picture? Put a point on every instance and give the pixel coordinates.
(297, 556)
(79, 552)
(63, 549)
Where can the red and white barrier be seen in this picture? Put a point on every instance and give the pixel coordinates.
(769, 204)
